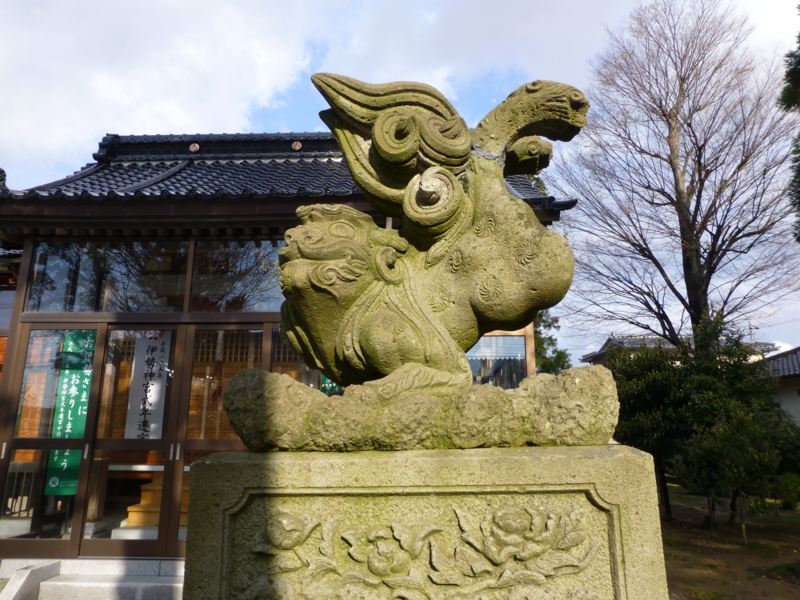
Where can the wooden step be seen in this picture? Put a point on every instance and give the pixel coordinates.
(149, 514)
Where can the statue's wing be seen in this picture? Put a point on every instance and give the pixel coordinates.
(391, 132)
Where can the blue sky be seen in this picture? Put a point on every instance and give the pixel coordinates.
(72, 72)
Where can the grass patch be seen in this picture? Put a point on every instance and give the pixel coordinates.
(712, 564)
(790, 572)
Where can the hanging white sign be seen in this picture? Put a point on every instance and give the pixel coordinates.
(149, 376)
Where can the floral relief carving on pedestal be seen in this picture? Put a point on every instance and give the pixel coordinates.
(507, 553)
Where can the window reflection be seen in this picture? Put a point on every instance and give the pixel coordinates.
(499, 360)
(3, 345)
(218, 355)
(54, 397)
(126, 490)
(285, 360)
(8, 287)
(137, 382)
(236, 277)
(143, 276)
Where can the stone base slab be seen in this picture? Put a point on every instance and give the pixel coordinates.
(491, 524)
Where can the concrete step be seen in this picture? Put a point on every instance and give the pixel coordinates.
(26, 576)
(105, 587)
(93, 579)
(148, 567)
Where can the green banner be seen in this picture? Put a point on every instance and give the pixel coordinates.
(329, 387)
(74, 365)
(63, 467)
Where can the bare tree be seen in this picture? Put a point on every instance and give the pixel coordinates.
(790, 100)
(681, 174)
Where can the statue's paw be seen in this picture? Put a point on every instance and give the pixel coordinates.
(578, 407)
(411, 379)
(274, 412)
(267, 409)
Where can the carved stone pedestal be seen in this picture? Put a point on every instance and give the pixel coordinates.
(490, 524)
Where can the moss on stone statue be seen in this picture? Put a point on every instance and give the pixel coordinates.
(274, 412)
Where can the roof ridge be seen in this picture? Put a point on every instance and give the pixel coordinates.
(115, 148)
(180, 137)
(619, 335)
(225, 156)
(84, 172)
(784, 353)
(160, 177)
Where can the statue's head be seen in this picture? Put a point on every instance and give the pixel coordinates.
(337, 250)
(330, 261)
(555, 110)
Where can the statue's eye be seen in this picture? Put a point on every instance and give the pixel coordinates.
(534, 86)
(342, 229)
(577, 99)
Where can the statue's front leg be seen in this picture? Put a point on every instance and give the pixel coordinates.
(412, 361)
(410, 379)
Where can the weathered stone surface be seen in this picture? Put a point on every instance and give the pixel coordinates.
(493, 524)
(395, 312)
(270, 411)
(579, 404)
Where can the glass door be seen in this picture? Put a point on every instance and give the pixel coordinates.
(160, 409)
(45, 461)
(132, 467)
(109, 422)
(217, 354)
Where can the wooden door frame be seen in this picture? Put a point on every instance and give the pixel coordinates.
(22, 323)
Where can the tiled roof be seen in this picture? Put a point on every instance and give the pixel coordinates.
(786, 364)
(525, 189)
(196, 166)
(217, 178)
(229, 185)
(241, 165)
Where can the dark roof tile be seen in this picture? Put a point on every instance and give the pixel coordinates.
(207, 166)
(786, 364)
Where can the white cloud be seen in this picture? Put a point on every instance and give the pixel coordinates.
(71, 72)
(464, 39)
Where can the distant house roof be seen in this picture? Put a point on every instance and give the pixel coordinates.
(634, 342)
(624, 341)
(786, 364)
(172, 183)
